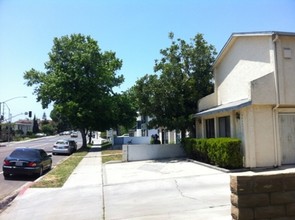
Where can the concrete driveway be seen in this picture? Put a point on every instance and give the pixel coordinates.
(167, 189)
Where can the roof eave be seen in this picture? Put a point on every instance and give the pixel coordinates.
(233, 37)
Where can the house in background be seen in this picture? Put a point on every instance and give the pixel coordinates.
(142, 134)
(254, 97)
(165, 136)
(142, 129)
(24, 126)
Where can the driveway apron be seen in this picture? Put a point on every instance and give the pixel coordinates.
(167, 189)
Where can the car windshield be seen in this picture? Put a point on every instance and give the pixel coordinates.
(25, 154)
(61, 142)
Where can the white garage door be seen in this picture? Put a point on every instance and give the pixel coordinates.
(287, 137)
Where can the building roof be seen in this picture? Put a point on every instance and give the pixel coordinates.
(225, 107)
(23, 122)
(234, 36)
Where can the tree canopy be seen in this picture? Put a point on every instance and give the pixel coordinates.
(79, 80)
(185, 76)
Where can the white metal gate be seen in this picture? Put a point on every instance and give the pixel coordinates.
(287, 137)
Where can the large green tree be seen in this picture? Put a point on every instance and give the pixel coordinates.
(185, 76)
(62, 122)
(79, 80)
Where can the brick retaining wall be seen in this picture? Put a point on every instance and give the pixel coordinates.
(263, 196)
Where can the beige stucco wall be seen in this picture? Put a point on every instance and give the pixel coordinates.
(263, 90)
(249, 58)
(254, 128)
(207, 102)
(258, 141)
(286, 70)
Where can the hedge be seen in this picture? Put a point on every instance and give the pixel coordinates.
(223, 152)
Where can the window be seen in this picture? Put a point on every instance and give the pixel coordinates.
(43, 153)
(224, 126)
(210, 131)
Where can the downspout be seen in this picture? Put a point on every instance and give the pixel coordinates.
(274, 110)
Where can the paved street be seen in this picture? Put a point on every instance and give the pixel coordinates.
(8, 187)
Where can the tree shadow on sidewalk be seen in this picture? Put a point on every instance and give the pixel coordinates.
(95, 149)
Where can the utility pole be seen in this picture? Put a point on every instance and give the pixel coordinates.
(2, 113)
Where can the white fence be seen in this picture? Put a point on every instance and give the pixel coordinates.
(134, 152)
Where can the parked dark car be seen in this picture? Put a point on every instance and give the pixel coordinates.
(26, 161)
(64, 147)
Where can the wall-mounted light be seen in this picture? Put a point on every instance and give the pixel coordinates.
(238, 115)
(200, 121)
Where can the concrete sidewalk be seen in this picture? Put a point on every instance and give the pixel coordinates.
(80, 198)
(175, 189)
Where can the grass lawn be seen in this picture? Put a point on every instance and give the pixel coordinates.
(111, 155)
(59, 175)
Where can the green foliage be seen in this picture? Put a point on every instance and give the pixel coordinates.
(19, 132)
(79, 80)
(224, 152)
(185, 76)
(103, 134)
(62, 122)
(48, 129)
(155, 139)
(35, 125)
(29, 133)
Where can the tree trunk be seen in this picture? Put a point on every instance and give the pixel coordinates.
(183, 131)
(89, 137)
(84, 140)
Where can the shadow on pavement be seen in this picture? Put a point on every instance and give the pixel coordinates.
(95, 149)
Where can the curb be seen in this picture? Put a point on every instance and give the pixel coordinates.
(21, 190)
(217, 168)
(8, 199)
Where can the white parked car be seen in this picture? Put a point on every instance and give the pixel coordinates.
(64, 147)
(74, 134)
(40, 135)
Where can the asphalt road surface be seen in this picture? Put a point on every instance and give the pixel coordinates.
(9, 186)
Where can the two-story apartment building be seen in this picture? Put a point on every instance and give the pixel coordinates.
(254, 97)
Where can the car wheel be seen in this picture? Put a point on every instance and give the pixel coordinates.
(6, 175)
(50, 166)
(40, 172)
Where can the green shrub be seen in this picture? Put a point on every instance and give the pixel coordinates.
(187, 144)
(103, 134)
(29, 133)
(223, 152)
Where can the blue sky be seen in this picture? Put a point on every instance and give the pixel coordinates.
(135, 29)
